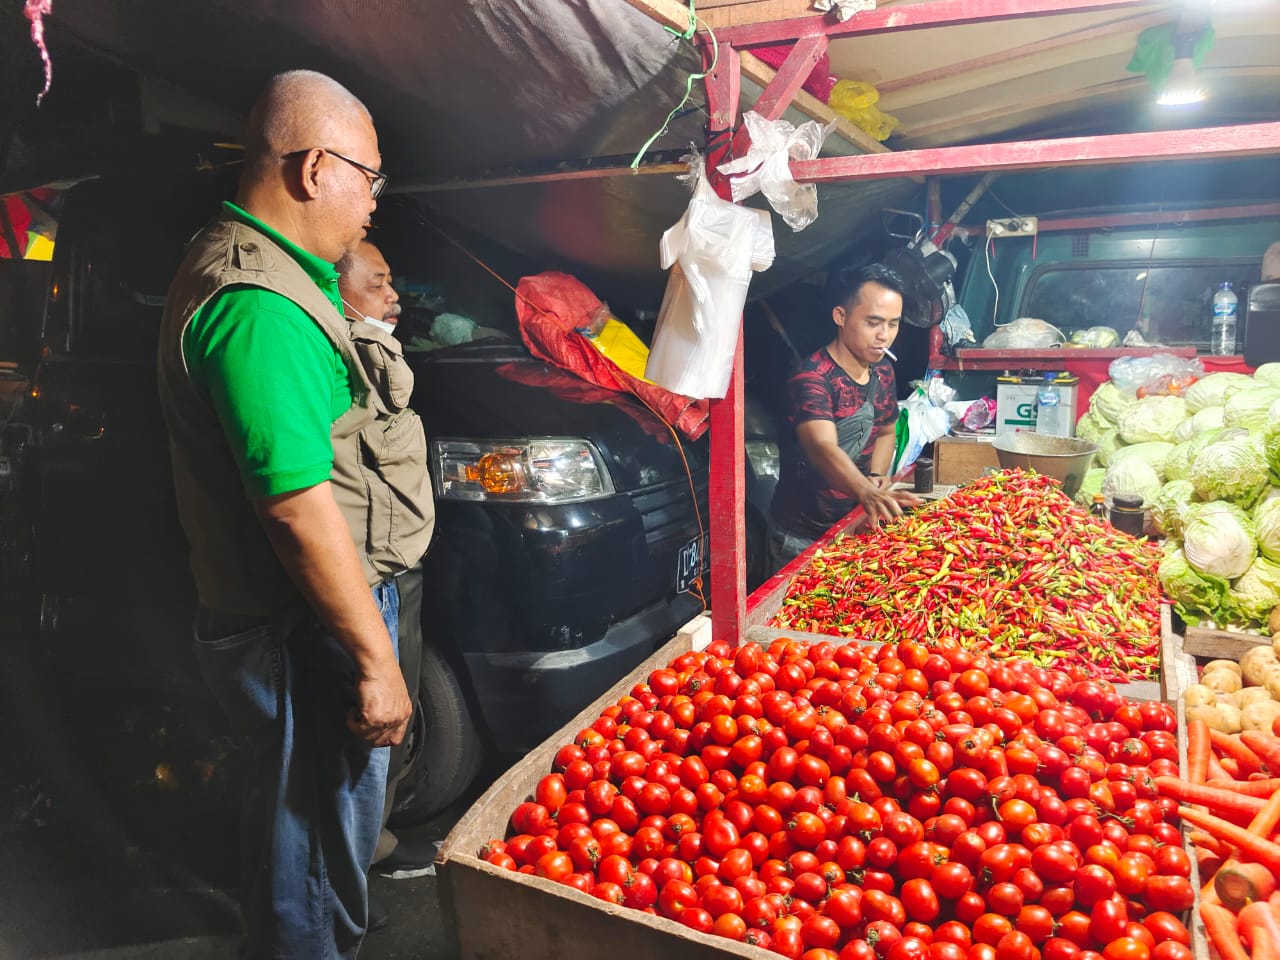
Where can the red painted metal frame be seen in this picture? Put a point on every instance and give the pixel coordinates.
(937, 13)
(795, 70)
(727, 492)
(1252, 139)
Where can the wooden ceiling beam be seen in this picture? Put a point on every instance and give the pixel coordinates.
(1244, 140)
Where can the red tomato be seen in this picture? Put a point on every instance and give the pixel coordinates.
(990, 928)
(920, 901)
(1171, 950)
(1015, 945)
(950, 879)
(1036, 922)
(1107, 920)
(1093, 884)
(1126, 948)
(909, 948)
(1165, 926)
(1170, 894)
(1004, 898)
(1059, 948)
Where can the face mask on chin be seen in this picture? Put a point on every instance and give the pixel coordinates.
(381, 324)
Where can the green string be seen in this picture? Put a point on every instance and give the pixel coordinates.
(688, 34)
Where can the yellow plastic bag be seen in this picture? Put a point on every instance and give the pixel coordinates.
(616, 341)
(856, 101)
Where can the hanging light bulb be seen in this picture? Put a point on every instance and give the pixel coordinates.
(1183, 86)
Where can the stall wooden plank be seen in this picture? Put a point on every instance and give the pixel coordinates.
(1228, 644)
(1177, 667)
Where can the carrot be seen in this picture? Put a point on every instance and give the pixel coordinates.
(1209, 844)
(1232, 746)
(1265, 820)
(1253, 788)
(1264, 746)
(1240, 883)
(1225, 803)
(1198, 751)
(1216, 771)
(1259, 926)
(1220, 925)
(1230, 765)
(1249, 845)
(1209, 863)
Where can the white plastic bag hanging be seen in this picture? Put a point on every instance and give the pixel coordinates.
(711, 252)
(767, 166)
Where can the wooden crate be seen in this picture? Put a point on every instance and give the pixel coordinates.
(958, 460)
(1215, 644)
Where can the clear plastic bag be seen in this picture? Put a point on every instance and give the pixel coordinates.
(1025, 333)
(1159, 373)
(925, 424)
(711, 252)
(767, 167)
(1096, 337)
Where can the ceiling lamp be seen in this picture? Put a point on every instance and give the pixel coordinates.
(1183, 86)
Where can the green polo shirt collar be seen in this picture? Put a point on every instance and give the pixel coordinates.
(320, 271)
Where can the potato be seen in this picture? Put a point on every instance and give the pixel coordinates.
(1271, 681)
(1260, 716)
(1223, 665)
(1248, 695)
(1231, 718)
(1274, 623)
(1221, 681)
(1255, 662)
(1198, 695)
(1210, 714)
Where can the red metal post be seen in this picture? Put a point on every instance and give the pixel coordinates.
(1253, 139)
(937, 13)
(727, 491)
(795, 70)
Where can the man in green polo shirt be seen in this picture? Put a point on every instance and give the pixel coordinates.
(268, 406)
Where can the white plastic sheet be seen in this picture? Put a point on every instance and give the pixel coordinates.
(767, 167)
(711, 252)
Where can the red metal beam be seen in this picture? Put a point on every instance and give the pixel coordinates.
(1108, 220)
(785, 84)
(727, 492)
(1211, 142)
(937, 13)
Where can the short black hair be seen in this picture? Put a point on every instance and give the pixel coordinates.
(849, 283)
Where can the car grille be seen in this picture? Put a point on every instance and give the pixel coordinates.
(668, 515)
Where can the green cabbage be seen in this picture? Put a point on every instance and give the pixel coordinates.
(1266, 522)
(1217, 538)
(1210, 418)
(1154, 452)
(1108, 444)
(1131, 475)
(1090, 485)
(1170, 504)
(1108, 402)
(1271, 446)
(1091, 427)
(1231, 469)
(1268, 373)
(1257, 592)
(1187, 588)
(1152, 418)
(1250, 408)
(1209, 391)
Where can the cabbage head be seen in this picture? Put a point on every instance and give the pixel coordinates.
(1154, 452)
(1266, 522)
(1250, 408)
(1189, 589)
(1210, 418)
(1152, 418)
(1218, 540)
(1231, 469)
(1211, 391)
(1091, 427)
(1271, 446)
(1108, 444)
(1257, 592)
(1090, 485)
(1108, 402)
(1131, 475)
(1268, 373)
(1170, 504)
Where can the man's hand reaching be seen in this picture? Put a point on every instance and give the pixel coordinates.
(883, 505)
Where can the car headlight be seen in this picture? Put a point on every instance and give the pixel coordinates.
(549, 470)
(763, 457)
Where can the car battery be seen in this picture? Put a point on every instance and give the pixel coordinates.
(1017, 400)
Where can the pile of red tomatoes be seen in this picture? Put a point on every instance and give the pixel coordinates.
(838, 802)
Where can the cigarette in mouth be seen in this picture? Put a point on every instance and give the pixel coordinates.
(890, 354)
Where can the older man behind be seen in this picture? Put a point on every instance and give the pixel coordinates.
(267, 405)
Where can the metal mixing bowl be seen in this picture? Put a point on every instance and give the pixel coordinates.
(1064, 458)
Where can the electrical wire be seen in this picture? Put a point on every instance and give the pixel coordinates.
(995, 310)
(697, 590)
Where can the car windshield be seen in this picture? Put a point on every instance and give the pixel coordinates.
(1170, 304)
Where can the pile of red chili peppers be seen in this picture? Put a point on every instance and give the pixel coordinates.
(1008, 564)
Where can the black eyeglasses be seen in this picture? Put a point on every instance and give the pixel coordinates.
(377, 179)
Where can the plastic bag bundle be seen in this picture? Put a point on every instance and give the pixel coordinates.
(1160, 373)
(856, 101)
(1025, 333)
(767, 167)
(711, 251)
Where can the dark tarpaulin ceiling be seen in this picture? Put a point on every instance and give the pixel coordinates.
(461, 86)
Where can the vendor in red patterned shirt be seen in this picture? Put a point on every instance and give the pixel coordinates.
(844, 411)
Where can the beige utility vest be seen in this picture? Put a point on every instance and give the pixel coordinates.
(379, 476)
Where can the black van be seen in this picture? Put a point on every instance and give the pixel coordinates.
(533, 605)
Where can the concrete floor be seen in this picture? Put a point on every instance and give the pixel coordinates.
(117, 829)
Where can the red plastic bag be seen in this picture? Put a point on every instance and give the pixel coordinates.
(551, 307)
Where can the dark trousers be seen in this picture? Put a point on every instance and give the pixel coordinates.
(410, 584)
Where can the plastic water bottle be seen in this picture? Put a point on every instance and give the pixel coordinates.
(1050, 415)
(1225, 302)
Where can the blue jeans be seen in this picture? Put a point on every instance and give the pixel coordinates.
(312, 805)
